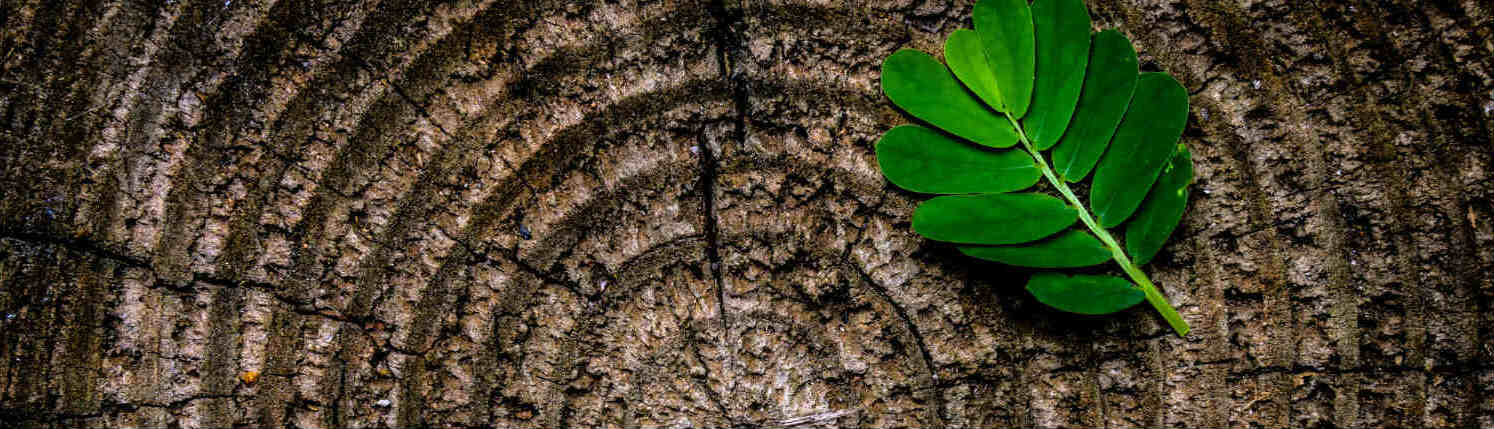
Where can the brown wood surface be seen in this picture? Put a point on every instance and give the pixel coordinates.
(545, 213)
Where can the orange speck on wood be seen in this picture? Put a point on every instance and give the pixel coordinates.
(249, 377)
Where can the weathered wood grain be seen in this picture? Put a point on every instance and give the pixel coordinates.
(548, 213)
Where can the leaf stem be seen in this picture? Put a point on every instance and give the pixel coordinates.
(1153, 296)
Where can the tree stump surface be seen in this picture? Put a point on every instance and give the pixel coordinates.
(546, 213)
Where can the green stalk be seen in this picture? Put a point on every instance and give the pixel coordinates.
(1153, 296)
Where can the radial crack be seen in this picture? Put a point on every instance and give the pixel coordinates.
(728, 48)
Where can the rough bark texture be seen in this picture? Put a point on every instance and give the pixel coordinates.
(545, 213)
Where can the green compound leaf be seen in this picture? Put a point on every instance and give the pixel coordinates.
(1107, 91)
(926, 89)
(967, 58)
(992, 218)
(1071, 249)
(1140, 149)
(1162, 210)
(1005, 28)
(1084, 294)
(1062, 35)
(923, 160)
(1057, 87)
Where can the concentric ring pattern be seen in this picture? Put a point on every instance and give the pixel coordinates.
(492, 213)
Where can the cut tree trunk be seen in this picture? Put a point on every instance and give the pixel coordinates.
(546, 213)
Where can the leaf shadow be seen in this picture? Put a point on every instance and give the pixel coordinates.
(997, 292)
